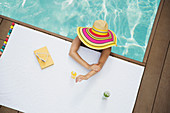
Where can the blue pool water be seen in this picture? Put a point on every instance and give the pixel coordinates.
(131, 20)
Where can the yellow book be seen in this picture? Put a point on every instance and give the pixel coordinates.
(43, 57)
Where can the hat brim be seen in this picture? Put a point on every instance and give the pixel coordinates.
(95, 41)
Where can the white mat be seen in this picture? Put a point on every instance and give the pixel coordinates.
(25, 87)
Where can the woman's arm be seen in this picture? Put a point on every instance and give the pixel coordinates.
(96, 67)
(85, 77)
(104, 55)
(73, 53)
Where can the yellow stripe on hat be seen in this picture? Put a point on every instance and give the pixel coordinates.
(85, 40)
(93, 45)
(87, 30)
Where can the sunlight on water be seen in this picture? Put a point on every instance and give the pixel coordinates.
(131, 20)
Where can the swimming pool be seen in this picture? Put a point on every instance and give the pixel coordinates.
(131, 20)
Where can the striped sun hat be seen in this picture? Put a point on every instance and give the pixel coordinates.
(98, 37)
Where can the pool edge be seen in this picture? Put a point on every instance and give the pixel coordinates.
(67, 39)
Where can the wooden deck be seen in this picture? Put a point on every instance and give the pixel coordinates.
(154, 92)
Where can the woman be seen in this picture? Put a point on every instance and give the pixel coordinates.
(98, 37)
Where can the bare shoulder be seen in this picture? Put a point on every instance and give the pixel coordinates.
(107, 49)
(76, 41)
(75, 44)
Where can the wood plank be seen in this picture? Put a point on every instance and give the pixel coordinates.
(162, 102)
(0, 20)
(4, 28)
(7, 110)
(154, 64)
(153, 31)
(1, 43)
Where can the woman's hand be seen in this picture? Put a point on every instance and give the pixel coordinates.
(80, 78)
(96, 67)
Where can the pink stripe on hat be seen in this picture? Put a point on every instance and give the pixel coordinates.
(97, 41)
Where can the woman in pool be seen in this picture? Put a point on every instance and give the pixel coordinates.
(98, 37)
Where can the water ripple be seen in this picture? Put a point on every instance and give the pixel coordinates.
(131, 20)
(23, 3)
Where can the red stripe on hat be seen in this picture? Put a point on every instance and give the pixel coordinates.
(96, 35)
(96, 41)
